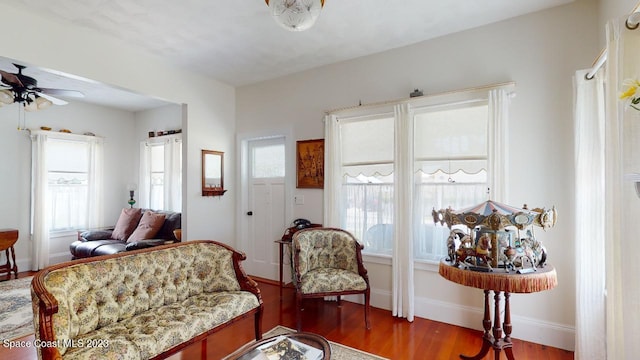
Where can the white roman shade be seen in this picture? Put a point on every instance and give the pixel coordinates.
(369, 149)
(447, 141)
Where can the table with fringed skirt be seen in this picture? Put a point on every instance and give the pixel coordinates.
(499, 281)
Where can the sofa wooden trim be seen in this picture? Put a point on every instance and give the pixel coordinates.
(48, 305)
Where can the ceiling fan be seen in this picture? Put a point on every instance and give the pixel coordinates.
(20, 88)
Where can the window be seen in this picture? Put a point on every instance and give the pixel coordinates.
(367, 165)
(268, 160)
(161, 173)
(156, 190)
(450, 150)
(67, 183)
(450, 169)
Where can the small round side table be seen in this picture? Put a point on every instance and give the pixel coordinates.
(499, 281)
(8, 238)
(250, 352)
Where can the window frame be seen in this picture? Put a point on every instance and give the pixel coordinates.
(432, 257)
(145, 185)
(54, 232)
(497, 141)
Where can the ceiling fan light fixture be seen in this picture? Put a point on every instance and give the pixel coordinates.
(30, 106)
(6, 97)
(295, 15)
(42, 103)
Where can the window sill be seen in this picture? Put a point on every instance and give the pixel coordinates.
(377, 259)
(63, 233)
(423, 265)
(426, 265)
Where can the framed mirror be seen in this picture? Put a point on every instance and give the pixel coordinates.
(212, 173)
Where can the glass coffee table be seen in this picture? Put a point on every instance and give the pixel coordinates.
(317, 343)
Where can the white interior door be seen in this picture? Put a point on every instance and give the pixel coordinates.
(266, 212)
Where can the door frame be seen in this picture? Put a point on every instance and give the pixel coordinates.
(242, 174)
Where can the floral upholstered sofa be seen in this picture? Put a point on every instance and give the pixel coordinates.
(141, 304)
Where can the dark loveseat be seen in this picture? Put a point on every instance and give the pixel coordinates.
(98, 242)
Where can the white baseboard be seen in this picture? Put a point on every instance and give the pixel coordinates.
(59, 257)
(25, 264)
(524, 328)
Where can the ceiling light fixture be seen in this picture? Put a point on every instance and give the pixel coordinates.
(295, 15)
(6, 97)
(22, 89)
(29, 100)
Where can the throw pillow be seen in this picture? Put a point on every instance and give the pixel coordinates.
(149, 225)
(127, 222)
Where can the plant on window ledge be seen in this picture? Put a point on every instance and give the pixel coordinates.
(631, 93)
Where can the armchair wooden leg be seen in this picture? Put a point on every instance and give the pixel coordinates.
(367, 310)
(258, 324)
(299, 311)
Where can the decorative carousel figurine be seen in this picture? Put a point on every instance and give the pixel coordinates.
(482, 236)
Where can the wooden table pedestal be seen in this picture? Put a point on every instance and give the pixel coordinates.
(499, 281)
(492, 337)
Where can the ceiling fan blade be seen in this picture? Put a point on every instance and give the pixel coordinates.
(54, 100)
(61, 92)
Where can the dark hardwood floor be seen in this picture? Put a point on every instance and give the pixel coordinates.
(389, 337)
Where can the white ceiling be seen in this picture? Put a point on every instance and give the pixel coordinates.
(238, 43)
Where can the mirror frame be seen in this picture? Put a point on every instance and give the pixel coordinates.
(212, 191)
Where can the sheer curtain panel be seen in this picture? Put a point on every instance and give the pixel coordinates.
(622, 205)
(499, 100)
(173, 174)
(39, 199)
(95, 211)
(332, 173)
(144, 187)
(402, 263)
(589, 232)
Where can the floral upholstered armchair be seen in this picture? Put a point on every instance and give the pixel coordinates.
(328, 262)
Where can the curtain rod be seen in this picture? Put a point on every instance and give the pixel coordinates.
(632, 23)
(389, 102)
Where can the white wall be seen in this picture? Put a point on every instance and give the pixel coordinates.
(117, 128)
(540, 53)
(209, 122)
(162, 118)
(610, 9)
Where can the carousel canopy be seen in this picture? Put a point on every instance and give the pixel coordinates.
(496, 216)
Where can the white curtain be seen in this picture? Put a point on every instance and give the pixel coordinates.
(95, 183)
(332, 173)
(402, 261)
(144, 188)
(173, 174)
(622, 206)
(497, 145)
(589, 110)
(39, 211)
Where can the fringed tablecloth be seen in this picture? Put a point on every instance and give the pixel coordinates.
(543, 279)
